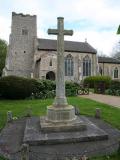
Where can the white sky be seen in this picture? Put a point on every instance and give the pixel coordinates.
(96, 20)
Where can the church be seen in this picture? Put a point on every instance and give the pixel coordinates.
(33, 57)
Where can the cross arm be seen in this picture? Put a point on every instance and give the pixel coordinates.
(53, 31)
(68, 32)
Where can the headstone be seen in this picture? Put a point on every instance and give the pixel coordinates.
(25, 152)
(119, 147)
(77, 111)
(84, 157)
(9, 116)
(98, 113)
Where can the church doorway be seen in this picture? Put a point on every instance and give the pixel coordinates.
(50, 76)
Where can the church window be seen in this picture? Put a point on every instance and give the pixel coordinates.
(86, 66)
(50, 62)
(116, 72)
(69, 65)
(100, 71)
(24, 32)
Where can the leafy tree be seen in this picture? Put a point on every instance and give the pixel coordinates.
(3, 52)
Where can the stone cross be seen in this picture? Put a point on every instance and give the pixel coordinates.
(60, 99)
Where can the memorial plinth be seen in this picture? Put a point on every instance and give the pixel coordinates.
(60, 114)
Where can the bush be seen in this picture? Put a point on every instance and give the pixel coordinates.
(46, 89)
(42, 89)
(71, 88)
(12, 87)
(114, 88)
(115, 85)
(92, 81)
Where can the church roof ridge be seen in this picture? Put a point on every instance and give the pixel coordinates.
(108, 60)
(70, 46)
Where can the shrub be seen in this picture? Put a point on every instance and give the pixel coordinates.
(12, 87)
(92, 81)
(71, 88)
(114, 88)
(115, 85)
(43, 88)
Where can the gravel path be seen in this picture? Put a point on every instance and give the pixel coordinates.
(107, 99)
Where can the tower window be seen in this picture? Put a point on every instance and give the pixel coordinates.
(24, 32)
(24, 51)
(50, 62)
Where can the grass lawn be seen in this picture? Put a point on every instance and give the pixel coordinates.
(87, 107)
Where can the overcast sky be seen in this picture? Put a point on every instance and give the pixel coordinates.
(96, 20)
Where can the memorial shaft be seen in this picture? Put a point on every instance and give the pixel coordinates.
(60, 83)
(60, 99)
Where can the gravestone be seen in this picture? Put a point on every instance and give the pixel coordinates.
(9, 116)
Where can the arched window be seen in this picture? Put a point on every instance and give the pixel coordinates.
(86, 66)
(69, 65)
(116, 72)
(50, 64)
(100, 71)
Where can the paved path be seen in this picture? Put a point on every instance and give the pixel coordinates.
(107, 99)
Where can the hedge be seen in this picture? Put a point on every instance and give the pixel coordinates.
(12, 87)
(92, 81)
(114, 88)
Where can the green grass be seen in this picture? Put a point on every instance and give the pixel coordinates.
(87, 107)
(2, 158)
(112, 157)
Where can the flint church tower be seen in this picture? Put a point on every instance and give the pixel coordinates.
(21, 47)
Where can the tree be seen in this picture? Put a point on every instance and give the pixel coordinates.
(118, 31)
(3, 52)
(116, 51)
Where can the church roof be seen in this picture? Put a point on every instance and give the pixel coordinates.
(70, 46)
(108, 60)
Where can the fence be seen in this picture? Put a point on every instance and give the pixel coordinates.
(26, 153)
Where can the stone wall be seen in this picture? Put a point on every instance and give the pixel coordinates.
(46, 56)
(108, 69)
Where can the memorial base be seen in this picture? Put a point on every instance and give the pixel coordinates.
(60, 114)
(69, 126)
(34, 135)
